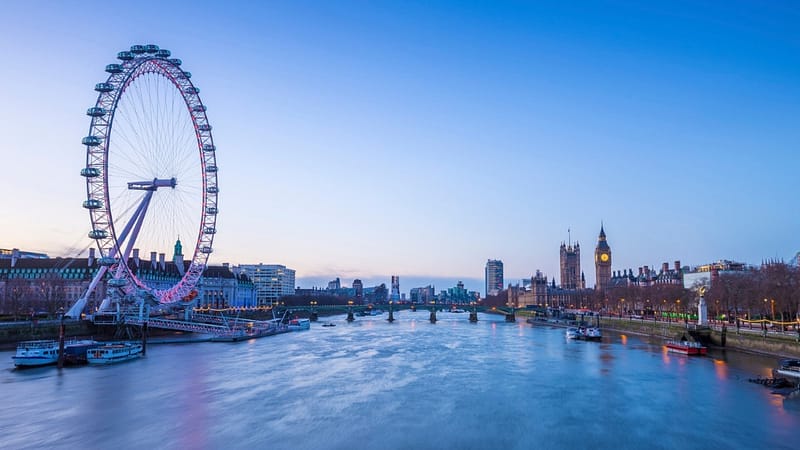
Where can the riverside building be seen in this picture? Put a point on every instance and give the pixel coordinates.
(494, 277)
(271, 281)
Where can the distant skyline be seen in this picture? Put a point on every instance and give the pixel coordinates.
(366, 139)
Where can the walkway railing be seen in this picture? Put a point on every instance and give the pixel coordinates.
(179, 325)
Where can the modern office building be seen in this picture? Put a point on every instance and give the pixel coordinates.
(16, 253)
(423, 294)
(271, 281)
(494, 276)
(395, 295)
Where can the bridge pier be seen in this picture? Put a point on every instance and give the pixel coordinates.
(313, 316)
(413, 307)
(511, 317)
(433, 315)
(391, 313)
(473, 315)
(350, 317)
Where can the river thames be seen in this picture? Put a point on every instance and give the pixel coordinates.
(407, 385)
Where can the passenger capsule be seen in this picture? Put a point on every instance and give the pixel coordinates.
(137, 49)
(96, 111)
(107, 261)
(212, 210)
(206, 250)
(103, 87)
(199, 108)
(204, 127)
(114, 68)
(163, 53)
(212, 190)
(211, 169)
(175, 61)
(118, 282)
(90, 172)
(209, 230)
(187, 74)
(91, 141)
(98, 234)
(151, 48)
(125, 56)
(192, 90)
(92, 204)
(209, 147)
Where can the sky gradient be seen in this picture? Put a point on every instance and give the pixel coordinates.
(364, 139)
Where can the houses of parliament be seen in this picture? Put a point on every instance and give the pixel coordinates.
(573, 293)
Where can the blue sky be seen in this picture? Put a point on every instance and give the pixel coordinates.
(364, 139)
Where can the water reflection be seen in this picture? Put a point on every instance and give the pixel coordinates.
(411, 384)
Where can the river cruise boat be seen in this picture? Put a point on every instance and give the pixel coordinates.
(36, 353)
(75, 351)
(114, 353)
(572, 333)
(263, 329)
(299, 324)
(788, 368)
(590, 334)
(686, 347)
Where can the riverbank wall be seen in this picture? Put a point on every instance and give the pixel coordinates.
(12, 333)
(750, 341)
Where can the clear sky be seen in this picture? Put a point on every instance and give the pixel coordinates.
(420, 138)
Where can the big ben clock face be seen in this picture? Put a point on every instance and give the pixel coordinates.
(604, 257)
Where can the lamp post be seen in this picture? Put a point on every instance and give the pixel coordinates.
(772, 302)
(61, 333)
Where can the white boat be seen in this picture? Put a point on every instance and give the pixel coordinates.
(114, 353)
(299, 324)
(36, 353)
(789, 368)
(572, 333)
(592, 334)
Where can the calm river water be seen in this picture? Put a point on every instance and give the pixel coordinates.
(406, 385)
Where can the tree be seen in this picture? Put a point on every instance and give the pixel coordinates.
(17, 295)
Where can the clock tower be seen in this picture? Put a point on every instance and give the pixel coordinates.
(602, 262)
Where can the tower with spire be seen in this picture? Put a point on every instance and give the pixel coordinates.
(570, 265)
(177, 257)
(602, 261)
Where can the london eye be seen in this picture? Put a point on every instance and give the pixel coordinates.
(151, 174)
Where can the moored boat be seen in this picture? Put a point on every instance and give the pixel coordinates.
(788, 368)
(75, 352)
(257, 331)
(36, 353)
(686, 347)
(299, 324)
(572, 333)
(114, 353)
(591, 334)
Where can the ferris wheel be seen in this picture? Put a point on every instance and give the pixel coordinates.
(151, 174)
